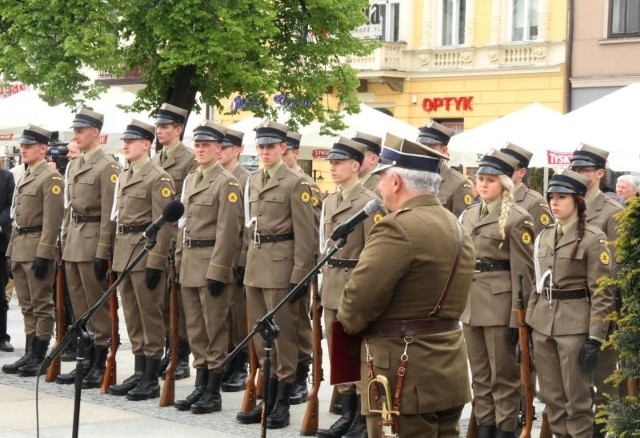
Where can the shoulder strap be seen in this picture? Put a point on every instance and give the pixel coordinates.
(452, 272)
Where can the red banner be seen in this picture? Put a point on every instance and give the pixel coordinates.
(558, 159)
(6, 137)
(10, 89)
(320, 153)
(103, 139)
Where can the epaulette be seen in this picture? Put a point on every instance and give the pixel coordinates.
(304, 183)
(467, 186)
(233, 183)
(529, 223)
(603, 242)
(165, 178)
(114, 166)
(59, 178)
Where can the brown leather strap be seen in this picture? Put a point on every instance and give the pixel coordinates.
(409, 327)
(452, 272)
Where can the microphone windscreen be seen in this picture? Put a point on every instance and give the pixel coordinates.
(173, 211)
(372, 206)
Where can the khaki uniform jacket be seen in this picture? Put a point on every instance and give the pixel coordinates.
(242, 175)
(282, 206)
(601, 214)
(536, 205)
(38, 200)
(335, 278)
(316, 203)
(178, 165)
(90, 191)
(372, 184)
(591, 263)
(212, 210)
(140, 201)
(401, 276)
(455, 192)
(493, 296)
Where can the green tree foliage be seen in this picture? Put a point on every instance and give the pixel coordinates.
(253, 48)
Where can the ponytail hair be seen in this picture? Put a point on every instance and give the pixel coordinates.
(507, 202)
(582, 221)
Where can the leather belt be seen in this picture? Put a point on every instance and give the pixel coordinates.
(264, 238)
(127, 229)
(569, 294)
(199, 243)
(27, 230)
(409, 327)
(498, 265)
(342, 263)
(83, 219)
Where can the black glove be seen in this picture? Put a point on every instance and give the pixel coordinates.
(7, 267)
(588, 358)
(512, 336)
(41, 266)
(215, 287)
(100, 268)
(152, 277)
(240, 274)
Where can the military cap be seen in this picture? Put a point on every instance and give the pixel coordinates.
(269, 132)
(33, 134)
(406, 154)
(88, 119)
(568, 182)
(137, 129)
(522, 155)
(345, 149)
(373, 143)
(232, 138)
(434, 133)
(209, 131)
(588, 156)
(293, 140)
(498, 163)
(168, 114)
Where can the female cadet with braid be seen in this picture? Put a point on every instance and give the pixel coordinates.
(502, 235)
(566, 315)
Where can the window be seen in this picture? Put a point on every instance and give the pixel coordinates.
(453, 16)
(524, 20)
(624, 18)
(386, 16)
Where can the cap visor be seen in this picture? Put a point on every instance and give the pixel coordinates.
(165, 121)
(488, 170)
(560, 189)
(383, 165)
(582, 163)
(81, 124)
(338, 156)
(27, 140)
(268, 140)
(131, 136)
(204, 137)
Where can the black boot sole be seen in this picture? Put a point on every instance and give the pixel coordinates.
(146, 396)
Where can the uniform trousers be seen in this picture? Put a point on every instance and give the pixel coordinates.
(143, 314)
(565, 388)
(237, 319)
(329, 316)
(495, 376)
(441, 424)
(303, 328)
(35, 296)
(85, 290)
(206, 321)
(284, 355)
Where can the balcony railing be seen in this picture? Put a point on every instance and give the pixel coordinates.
(385, 58)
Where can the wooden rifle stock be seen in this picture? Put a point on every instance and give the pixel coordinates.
(310, 420)
(54, 369)
(525, 364)
(169, 388)
(545, 430)
(250, 390)
(110, 371)
(472, 430)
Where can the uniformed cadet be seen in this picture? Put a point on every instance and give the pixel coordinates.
(178, 161)
(405, 297)
(368, 177)
(237, 319)
(455, 193)
(346, 157)
(299, 390)
(590, 162)
(525, 197)
(208, 242)
(279, 215)
(502, 235)
(88, 238)
(567, 317)
(37, 211)
(143, 192)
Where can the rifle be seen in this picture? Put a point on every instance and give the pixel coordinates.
(545, 429)
(472, 430)
(169, 388)
(310, 420)
(525, 364)
(54, 369)
(110, 372)
(250, 389)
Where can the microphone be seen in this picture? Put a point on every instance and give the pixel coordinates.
(170, 213)
(345, 228)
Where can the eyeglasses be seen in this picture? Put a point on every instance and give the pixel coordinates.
(584, 169)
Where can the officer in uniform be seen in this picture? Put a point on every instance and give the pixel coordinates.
(208, 243)
(143, 192)
(279, 215)
(455, 191)
(567, 317)
(37, 211)
(525, 197)
(345, 157)
(368, 177)
(88, 237)
(178, 161)
(405, 297)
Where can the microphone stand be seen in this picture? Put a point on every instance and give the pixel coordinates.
(269, 332)
(79, 330)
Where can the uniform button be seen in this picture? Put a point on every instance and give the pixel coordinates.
(476, 232)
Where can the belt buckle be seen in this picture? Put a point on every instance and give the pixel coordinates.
(475, 269)
(120, 229)
(257, 240)
(187, 242)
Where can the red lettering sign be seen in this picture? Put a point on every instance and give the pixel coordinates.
(559, 159)
(462, 103)
(6, 136)
(12, 89)
(103, 139)
(320, 153)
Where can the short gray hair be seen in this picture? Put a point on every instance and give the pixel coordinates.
(419, 181)
(631, 179)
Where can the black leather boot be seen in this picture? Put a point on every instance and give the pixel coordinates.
(131, 381)
(5, 339)
(279, 416)
(148, 386)
(211, 401)
(235, 382)
(255, 416)
(202, 377)
(183, 369)
(486, 432)
(504, 434)
(12, 368)
(32, 368)
(95, 376)
(299, 391)
(349, 404)
(358, 428)
(70, 377)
